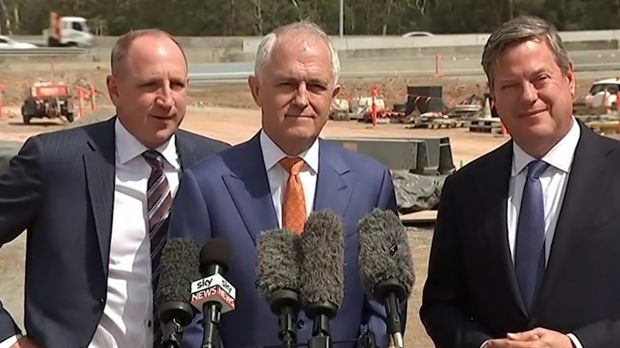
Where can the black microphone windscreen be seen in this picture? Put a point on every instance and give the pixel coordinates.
(278, 262)
(322, 271)
(216, 251)
(384, 253)
(178, 269)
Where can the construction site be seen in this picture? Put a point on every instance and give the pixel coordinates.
(424, 124)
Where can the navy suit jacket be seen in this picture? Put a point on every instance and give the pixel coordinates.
(60, 187)
(472, 294)
(228, 196)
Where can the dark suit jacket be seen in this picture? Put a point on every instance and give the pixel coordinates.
(228, 196)
(471, 293)
(60, 187)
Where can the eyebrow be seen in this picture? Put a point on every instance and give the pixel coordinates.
(540, 71)
(534, 73)
(294, 79)
(281, 78)
(318, 82)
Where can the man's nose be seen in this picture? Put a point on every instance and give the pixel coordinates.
(165, 97)
(301, 95)
(530, 92)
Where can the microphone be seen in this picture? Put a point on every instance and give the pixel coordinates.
(322, 273)
(278, 271)
(213, 295)
(386, 265)
(179, 266)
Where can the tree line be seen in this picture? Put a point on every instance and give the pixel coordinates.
(258, 17)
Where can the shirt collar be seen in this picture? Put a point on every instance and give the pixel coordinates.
(272, 153)
(560, 156)
(129, 147)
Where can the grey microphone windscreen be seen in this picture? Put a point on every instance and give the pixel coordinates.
(384, 253)
(179, 267)
(322, 271)
(278, 262)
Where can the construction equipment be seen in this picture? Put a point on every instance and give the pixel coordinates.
(48, 100)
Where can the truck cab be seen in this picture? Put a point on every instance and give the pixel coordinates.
(68, 31)
(603, 93)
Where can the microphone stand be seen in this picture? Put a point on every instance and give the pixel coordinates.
(391, 291)
(321, 313)
(174, 316)
(211, 312)
(368, 340)
(211, 323)
(394, 323)
(285, 304)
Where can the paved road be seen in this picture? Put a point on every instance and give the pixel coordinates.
(588, 63)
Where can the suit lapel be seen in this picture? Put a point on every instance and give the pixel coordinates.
(249, 189)
(334, 182)
(184, 150)
(584, 193)
(99, 164)
(496, 189)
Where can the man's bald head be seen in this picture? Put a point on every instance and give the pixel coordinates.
(121, 48)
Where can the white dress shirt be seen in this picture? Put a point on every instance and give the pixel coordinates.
(553, 182)
(277, 175)
(128, 313)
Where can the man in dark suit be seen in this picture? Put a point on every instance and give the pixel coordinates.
(94, 233)
(526, 248)
(250, 188)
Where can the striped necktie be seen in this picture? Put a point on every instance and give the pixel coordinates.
(159, 201)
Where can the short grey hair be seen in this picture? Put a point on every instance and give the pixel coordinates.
(266, 45)
(522, 29)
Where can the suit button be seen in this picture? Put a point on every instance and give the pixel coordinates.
(300, 324)
(149, 323)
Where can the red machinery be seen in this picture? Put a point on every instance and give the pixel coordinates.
(48, 100)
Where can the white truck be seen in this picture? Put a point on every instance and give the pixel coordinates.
(67, 31)
(603, 93)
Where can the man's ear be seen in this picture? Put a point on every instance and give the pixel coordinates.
(112, 85)
(336, 91)
(255, 89)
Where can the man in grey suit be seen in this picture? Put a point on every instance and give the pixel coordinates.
(95, 202)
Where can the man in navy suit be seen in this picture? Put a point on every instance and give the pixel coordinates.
(82, 195)
(525, 250)
(241, 192)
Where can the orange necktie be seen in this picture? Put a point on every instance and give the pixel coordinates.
(294, 207)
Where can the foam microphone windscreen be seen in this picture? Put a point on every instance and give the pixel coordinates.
(278, 262)
(178, 268)
(322, 248)
(384, 252)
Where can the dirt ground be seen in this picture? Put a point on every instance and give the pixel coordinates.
(227, 112)
(237, 95)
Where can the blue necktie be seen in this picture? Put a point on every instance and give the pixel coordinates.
(530, 245)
